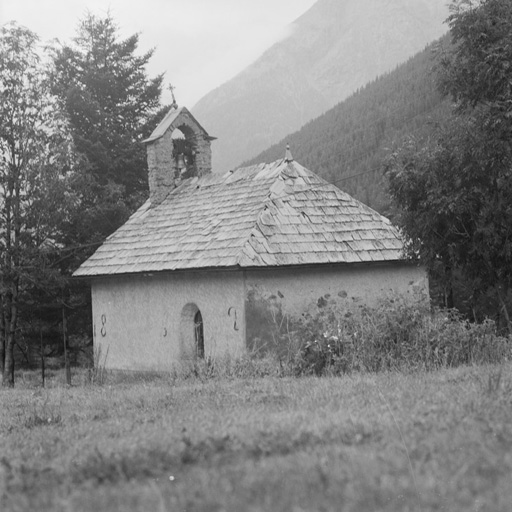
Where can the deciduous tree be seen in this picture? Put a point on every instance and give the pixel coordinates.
(455, 191)
(36, 159)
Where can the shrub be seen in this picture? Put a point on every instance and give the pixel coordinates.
(393, 335)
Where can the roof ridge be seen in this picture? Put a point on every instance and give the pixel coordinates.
(243, 252)
(250, 253)
(349, 197)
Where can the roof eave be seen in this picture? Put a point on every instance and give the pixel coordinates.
(234, 268)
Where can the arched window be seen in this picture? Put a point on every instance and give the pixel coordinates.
(184, 151)
(199, 334)
(191, 332)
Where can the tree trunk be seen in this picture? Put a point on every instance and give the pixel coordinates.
(41, 346)
(65, 341)
(2, 353)
(448, 289)
(10, 332)
(450, 303)
(8, 375)
(11, 268)
(2, 338)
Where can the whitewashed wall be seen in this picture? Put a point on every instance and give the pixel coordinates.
(140, 322)
(270, 294)
(137, 320)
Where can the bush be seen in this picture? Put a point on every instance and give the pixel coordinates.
(393, 335)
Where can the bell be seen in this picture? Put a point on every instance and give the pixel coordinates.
(181, 163)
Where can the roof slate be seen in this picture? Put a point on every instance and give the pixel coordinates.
(274, 214)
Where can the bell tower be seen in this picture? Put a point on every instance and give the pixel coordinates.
(179, 148)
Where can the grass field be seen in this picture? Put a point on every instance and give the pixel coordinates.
(364, 442)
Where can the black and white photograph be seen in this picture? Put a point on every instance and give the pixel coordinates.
(256, 256)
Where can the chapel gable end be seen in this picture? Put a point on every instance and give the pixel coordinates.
(179, 148)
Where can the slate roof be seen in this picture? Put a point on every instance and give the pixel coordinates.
(260, 216)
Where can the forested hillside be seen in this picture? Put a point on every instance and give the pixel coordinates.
(347, 144)
(333, 49)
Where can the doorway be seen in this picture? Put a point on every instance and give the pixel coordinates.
(191, 333)
(199, 334)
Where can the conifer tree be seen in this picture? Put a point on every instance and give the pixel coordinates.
(112, 105)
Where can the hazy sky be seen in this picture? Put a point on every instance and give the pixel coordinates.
(199, 43)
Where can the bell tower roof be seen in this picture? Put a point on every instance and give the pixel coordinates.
(170, 120)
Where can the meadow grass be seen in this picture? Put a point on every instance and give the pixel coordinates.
(420, 441)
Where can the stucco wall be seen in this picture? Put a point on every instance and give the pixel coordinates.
(145, 322)
(272, 296)
(138, 325)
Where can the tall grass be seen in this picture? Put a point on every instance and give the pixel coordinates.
(392, 442)
(98, 372)
(226, 367)
(394, 335)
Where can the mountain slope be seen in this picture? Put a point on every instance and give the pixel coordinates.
(347, 144)
(333, 49)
